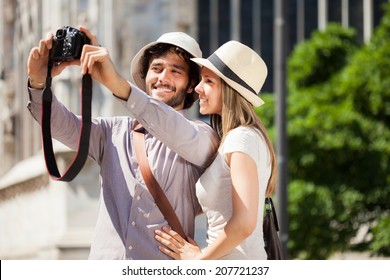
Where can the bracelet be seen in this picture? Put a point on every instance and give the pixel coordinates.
(38, 85)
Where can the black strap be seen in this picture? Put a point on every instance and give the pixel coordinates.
(82, 154)
(269, 207)
(225, 70)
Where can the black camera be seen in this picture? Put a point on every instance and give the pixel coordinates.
(68, 44)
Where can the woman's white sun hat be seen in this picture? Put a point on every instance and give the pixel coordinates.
(240, 67)
(179, 39)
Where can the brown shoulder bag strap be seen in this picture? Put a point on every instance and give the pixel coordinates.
(154, 188)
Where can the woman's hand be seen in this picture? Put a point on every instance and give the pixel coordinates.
(176, 247)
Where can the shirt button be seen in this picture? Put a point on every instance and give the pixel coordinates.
(130, 247)
(133, 223)
(138, 197)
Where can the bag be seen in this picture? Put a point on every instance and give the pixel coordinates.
(270, 232)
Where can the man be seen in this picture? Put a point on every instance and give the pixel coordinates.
(128, 215)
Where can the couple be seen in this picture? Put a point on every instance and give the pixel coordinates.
(223, 171)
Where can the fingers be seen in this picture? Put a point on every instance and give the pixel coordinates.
(172, 246)
(45, 44)
(37, 60)
(174, 234)
(49, 40)
(90, 56)
(42, 47)
(168, 241)
(34, 53)
(169, 253)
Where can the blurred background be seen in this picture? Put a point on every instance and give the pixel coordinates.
(327, 109)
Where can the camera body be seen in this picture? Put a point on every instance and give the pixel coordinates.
(68, 44)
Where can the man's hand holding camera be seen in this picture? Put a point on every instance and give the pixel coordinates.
(38, 61)
(64, 50)
(96, 61)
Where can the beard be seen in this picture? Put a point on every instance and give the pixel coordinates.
(177, 98)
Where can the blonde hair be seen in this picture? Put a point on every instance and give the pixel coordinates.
(237, 111)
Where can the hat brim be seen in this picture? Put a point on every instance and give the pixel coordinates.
(136, 67)
(254, 99)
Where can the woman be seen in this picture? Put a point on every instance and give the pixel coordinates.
(233, 188)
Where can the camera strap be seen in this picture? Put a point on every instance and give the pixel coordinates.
(82, 153)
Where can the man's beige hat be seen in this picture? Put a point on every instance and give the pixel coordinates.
(240, 67)
(179, 39)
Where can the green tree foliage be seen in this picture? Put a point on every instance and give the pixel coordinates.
(339, 143)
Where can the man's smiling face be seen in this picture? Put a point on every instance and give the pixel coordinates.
(167, 80)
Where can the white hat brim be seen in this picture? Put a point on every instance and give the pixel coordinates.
(135, 67)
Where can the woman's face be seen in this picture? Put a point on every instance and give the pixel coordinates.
(210, 93)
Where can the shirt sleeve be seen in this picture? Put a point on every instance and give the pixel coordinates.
(248, 141)
(195, 141)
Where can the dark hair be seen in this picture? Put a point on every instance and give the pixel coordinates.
(160, 50)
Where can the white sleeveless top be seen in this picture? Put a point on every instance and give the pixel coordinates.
(214, 190)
